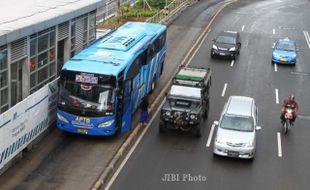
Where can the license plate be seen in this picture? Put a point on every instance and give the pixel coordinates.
(283, 59)
(233, 154)
(85, 131)
(222, 53)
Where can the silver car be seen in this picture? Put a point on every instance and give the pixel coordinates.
(236, 132)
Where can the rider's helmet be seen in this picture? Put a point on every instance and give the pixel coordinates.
(291, 98)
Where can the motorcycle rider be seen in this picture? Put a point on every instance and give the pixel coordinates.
(289, 103)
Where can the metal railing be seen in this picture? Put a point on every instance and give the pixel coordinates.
(109, 9)
(164, 15)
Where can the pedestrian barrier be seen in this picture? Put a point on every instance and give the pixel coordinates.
(24, 122)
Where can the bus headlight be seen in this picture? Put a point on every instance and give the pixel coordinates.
(105, 124)
(62, 118)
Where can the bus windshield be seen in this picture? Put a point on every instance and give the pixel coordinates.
(87, 96)
(86, 91)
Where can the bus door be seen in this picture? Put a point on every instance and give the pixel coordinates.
(127, 106)
(136, 93)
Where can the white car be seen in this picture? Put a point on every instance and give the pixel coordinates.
(236, 131)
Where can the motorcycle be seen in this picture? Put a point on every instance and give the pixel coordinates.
(288, 119)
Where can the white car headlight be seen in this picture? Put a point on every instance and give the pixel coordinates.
(232, 49)
(214, 46)
(62, 118)
(218, 141)
(275, 54)
(294, 56)
(105, 124)
(250, 144)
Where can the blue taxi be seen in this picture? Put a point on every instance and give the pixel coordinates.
(284, 52)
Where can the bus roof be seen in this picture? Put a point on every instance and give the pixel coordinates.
(111, 53)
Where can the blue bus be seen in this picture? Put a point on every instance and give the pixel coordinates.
(101, 87)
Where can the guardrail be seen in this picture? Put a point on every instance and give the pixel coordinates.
(109, 9)
(164, 16)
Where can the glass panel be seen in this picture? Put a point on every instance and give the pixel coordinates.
(3, 79)
(14, 72)
(13, 93)
(92, 21)
(42, 59)
(3, 60)
(33, 47)
(42, 43)
(92, 34)
(52, 69)
(85, 23)
(33, 79)
(52, 38)
(42, 74)
(4, 96)
(72, 29)
(33, 63)
(52, 55)
(3, 109)
(72, 43)
(85, 37)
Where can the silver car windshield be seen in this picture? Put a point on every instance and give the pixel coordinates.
(233, 122)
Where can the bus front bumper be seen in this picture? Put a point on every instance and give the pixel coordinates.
(95, 131)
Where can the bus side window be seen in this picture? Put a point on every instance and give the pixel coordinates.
(135, 68)
(160, 42)
(144, 60)
(157, 45)
(150, 53)
(128, 87)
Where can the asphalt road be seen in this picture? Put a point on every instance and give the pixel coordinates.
(65, 161)
(260, 24)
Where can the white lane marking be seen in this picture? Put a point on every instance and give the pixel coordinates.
(119, 169)
(306, 34)
(210, 135)
(224, 89)
(279, 144)
(275, 67)
(232, 63)
(277, 96)
(273, 31)
(242, 27)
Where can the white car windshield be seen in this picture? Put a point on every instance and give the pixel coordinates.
(185, 91)
(233, 122)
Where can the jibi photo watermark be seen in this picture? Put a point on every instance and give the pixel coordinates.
(183, 177)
